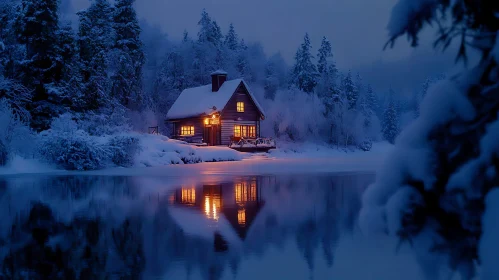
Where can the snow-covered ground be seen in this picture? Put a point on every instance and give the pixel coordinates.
(157, 152)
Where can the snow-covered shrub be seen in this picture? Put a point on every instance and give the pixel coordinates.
(71, 148)
(301, 119)
(106, 122)
(123, 150)
(15, 136)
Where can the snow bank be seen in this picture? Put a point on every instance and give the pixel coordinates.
(19, 165)
(159, 150)
(323, 150)
(489, 245)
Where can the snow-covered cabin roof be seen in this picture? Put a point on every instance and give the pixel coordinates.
(199, 101)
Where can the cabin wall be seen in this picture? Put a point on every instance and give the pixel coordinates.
(230, 116)
(250, 113)
(228, 129)
(198, 130)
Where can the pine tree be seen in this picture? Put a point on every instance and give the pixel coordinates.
(242, 61)
(390, 121)
(231, 39)
(304, 75)
(351, 91)
(127, 80)
(325, 54)
(217, 34)
(38, 27)
(205, 31)
(95, 39)
(372, 101)
(327, 70)
(209, 31)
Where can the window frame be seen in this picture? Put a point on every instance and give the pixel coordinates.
(240, 107)
(245, 131)
(187, 130)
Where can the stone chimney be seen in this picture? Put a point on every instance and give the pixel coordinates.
(217, 79)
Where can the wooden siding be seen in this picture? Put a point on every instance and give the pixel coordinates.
(228, 129)
(251, 112)
(198, 130)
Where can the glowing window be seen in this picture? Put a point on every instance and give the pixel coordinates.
(252, 131)
(244, 131)
(237, 131)
(187, 130)
(240, 107)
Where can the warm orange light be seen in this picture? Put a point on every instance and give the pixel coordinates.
(241, 217)
(189, 195)
(206, 121)
(212, 205)
(213, 116)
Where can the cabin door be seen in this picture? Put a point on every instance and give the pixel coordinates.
(211, 136)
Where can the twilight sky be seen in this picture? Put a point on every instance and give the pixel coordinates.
(356, 29)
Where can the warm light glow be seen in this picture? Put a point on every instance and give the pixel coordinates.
(189, 195)
(246, 131)
(207, 206)
(237, 131)
(213, 120)
(253, 191)
(252, 131)
(244, 193)
(240, 107)
(241, 217)
(187, 130)
(212, 205)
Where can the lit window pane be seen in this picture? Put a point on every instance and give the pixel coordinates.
(237, 131)
(240, 106)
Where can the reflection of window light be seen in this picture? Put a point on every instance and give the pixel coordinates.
(241, 217)
(253, 191)
(245, 193)
(212, 205)
(207, 206)
(189, 195)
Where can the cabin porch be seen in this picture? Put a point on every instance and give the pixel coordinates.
(252, 144)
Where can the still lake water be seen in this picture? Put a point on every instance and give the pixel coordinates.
(237, 227)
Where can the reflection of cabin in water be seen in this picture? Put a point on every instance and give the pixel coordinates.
(238, 202)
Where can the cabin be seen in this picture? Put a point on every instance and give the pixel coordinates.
(220, 113)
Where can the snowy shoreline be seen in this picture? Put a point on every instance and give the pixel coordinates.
(310, 158)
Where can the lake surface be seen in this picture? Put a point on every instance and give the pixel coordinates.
(230, 227)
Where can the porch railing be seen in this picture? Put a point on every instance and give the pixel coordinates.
(242, 142)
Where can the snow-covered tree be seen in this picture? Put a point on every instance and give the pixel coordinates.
(326, 67)
(390, 121)
(38, 29)
(231, 39)
(209, 30)
(432, 191)
(95, 39)
(129, 55)
(325, 54)
(351, 91)
(304, 74)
